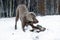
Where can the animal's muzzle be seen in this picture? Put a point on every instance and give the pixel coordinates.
(35, 21)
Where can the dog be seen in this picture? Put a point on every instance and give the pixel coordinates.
(26, 17)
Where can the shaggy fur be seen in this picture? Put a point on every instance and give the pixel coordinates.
(26, 17)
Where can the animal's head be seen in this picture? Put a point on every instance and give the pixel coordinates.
(31, 17)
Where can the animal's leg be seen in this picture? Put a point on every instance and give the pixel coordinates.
(34, 27)
(23, 25)
(17, 17)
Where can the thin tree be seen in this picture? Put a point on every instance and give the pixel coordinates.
(10, 7)
(2, 7)
(29, 5)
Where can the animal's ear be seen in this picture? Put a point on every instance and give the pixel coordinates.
(33, 14)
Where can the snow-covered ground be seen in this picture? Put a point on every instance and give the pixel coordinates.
(51, 23)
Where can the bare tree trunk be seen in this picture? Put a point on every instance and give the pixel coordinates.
(10, 8)
(45, 8)
(2, 7)
(52, 7)
(25, 2)
(37, 7)
(57, 6)
(13, 7)
(7, 12)
(29, 5)
(7, 9)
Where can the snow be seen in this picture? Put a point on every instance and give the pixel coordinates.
(51, 23)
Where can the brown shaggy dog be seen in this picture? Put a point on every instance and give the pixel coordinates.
(26, 17)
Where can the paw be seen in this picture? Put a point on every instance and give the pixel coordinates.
(32, 30)
(15, 27)
(23, 30)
